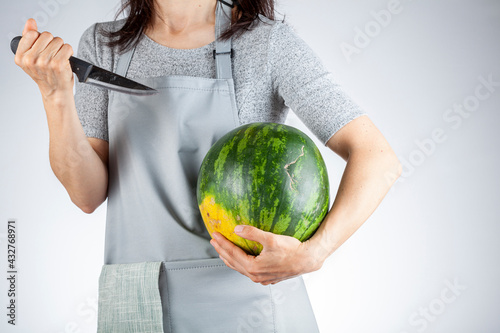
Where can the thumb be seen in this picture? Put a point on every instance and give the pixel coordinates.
(30, 25)
(253, 233)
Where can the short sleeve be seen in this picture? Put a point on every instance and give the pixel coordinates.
(91, 102)
(305, 85)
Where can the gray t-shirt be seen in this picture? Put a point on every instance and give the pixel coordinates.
(273, 70)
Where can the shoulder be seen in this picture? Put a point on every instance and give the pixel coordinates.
(277, 37)
(284, 37)
(94, 33)
(265, 29)
(93, 43)
(263, 36)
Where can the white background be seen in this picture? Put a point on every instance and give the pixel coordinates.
(437, 228)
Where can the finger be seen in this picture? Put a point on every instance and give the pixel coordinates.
(227, 263)
(230, 266)
(253, 267)
(53, 48)
(61, 60)
(30, 35)
(33, 60)
(25, 44)
(44, 59)
(226, 256)
(29, 25)
(237, 268)
(247, 265)
(41, 43)
(274, 281)
(255, 234)
(232, 251)
(64, 53)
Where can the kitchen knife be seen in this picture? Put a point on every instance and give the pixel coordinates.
(91, 74)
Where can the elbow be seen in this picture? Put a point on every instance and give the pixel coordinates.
(88, 203)
(87, 209)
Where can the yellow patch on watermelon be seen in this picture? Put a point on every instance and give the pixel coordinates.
(217, 219)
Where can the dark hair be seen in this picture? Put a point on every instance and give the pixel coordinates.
(141, 14)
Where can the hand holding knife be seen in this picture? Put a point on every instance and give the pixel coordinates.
(91, 74)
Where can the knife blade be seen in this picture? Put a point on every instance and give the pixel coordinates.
(91, 74)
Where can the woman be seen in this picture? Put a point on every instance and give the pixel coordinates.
(161, 272)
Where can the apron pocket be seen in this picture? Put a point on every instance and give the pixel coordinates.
(207, 296)
(129, 298)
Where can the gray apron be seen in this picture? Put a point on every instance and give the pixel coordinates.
(160, 273)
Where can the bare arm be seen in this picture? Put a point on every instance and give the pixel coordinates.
(79, 163)
(372, 167)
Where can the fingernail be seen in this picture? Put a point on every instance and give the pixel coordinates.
(239, 228)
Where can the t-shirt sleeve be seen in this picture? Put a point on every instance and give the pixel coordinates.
(91, 101)
(306, 86)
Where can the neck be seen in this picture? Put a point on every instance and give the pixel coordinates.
(180, 16)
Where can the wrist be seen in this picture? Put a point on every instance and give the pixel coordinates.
(321, 245)
(56, 98)
(314, 255)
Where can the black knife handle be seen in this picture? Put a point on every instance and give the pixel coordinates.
(79, 67)
(14, 43)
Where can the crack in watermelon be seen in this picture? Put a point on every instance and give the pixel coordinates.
(292, 181)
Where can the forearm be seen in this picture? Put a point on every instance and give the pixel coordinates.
(367, 178)
(73, 160)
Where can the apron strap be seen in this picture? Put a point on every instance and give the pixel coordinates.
(124, 62)
(222, 53)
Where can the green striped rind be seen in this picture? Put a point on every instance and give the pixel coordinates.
(245, 171)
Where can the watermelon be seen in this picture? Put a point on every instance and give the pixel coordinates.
(267, 175)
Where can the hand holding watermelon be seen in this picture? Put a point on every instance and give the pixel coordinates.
(282, 257)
